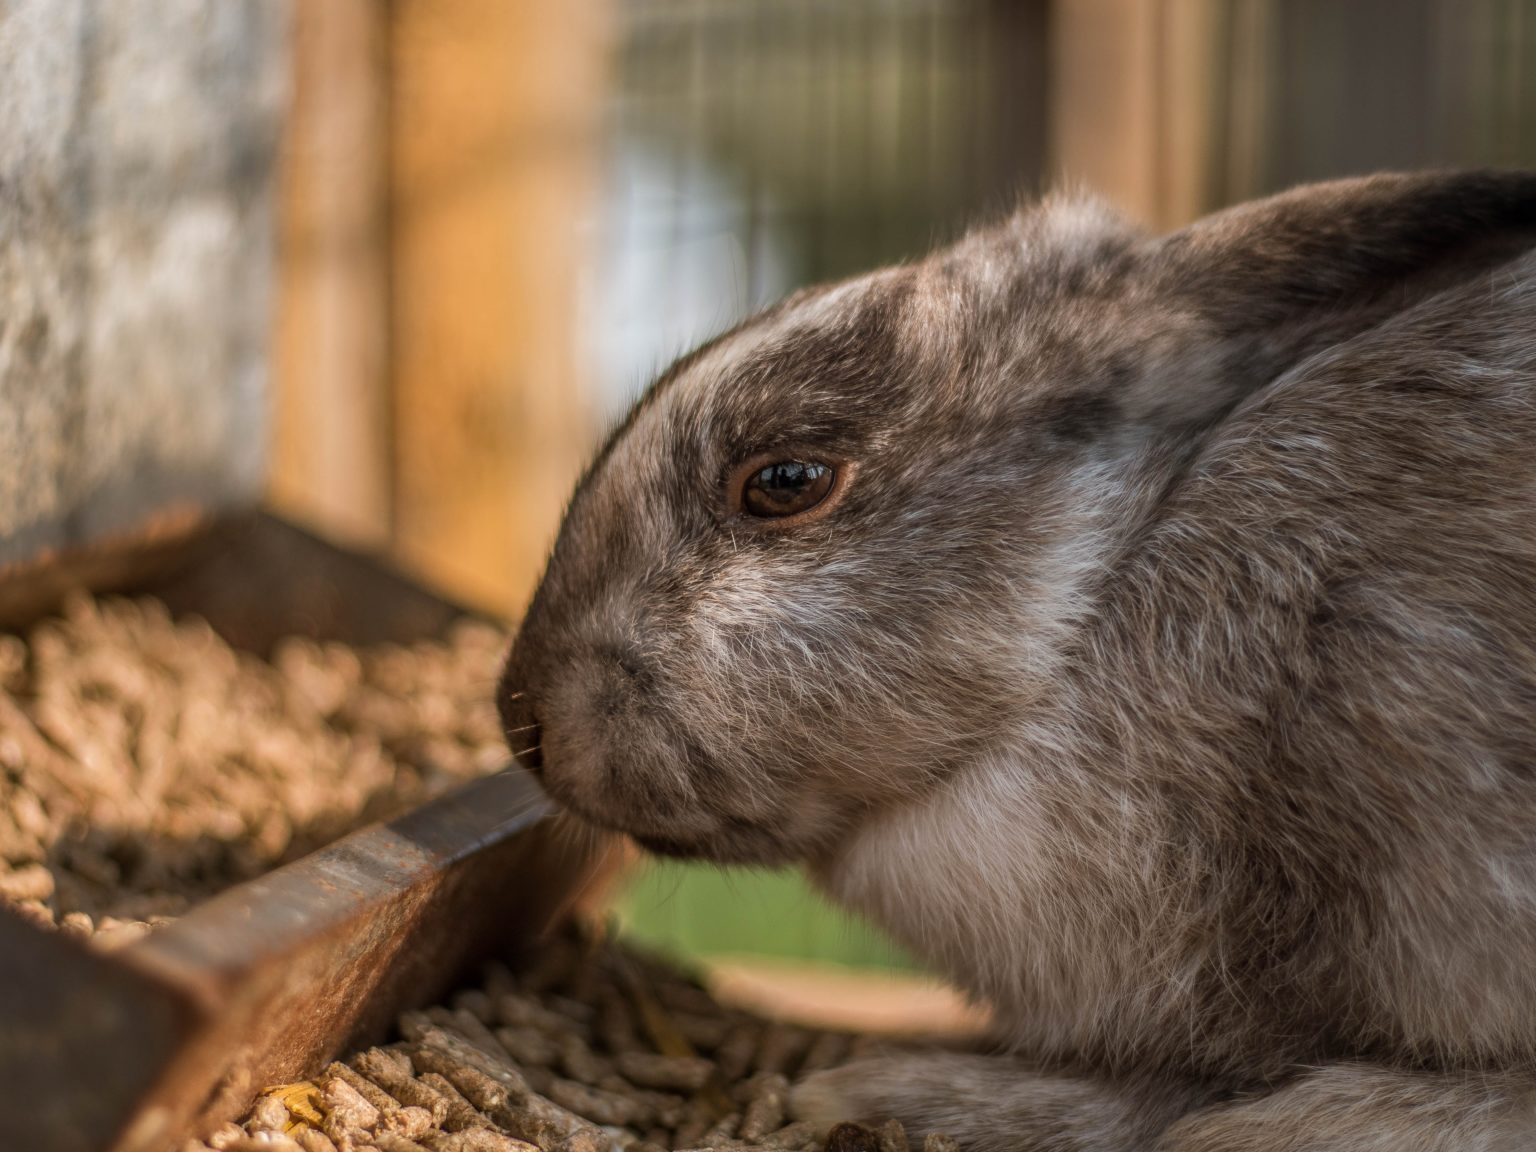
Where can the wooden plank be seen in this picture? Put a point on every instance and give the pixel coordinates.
(293, 968)
(493, 145)
(175, 1034)
(1188, 150)
(41, 272)
(1136, 103)
(181, 106)
(1104, 124)
(68, 1014)
(1175, 107)
(135, 155)
(331, 407)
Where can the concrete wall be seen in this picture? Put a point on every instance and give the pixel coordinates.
(137, 149)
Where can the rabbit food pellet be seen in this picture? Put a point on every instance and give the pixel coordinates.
(145, 764)
(614, 1068)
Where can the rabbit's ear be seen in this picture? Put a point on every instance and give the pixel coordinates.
(1285, 276)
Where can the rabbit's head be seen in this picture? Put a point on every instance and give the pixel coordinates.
(832, 557)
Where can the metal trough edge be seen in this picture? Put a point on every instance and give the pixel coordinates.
(133, 1050)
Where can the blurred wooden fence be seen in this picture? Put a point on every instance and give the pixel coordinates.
(136, 146)
(439, 162)
(1177, 107)
(454, 168)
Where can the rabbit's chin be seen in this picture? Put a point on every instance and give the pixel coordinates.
(726, 840)
(743, 844)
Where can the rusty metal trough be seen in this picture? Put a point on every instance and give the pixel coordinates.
(133, 1050)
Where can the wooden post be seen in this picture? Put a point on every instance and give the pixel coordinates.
(1136, 102)
(493, 148)
(136, 146)
(330, 460)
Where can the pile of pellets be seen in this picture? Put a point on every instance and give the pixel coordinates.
(146, 765)
(594, 1048)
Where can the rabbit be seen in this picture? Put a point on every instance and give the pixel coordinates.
(1141, 629)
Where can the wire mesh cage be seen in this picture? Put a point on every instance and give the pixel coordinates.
(751, 147)
(754, 147)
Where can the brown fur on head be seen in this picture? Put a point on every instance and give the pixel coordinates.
(727, 686)
(1162, 664)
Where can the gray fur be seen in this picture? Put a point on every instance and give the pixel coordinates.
(1165, 674)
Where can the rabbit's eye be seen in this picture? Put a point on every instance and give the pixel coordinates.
(786, 488)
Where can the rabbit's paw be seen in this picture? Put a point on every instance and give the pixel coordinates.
(988, 1104)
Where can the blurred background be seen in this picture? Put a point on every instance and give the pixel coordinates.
(495, 221)
(501, 220)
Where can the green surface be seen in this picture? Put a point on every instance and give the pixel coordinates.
(694, 910)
